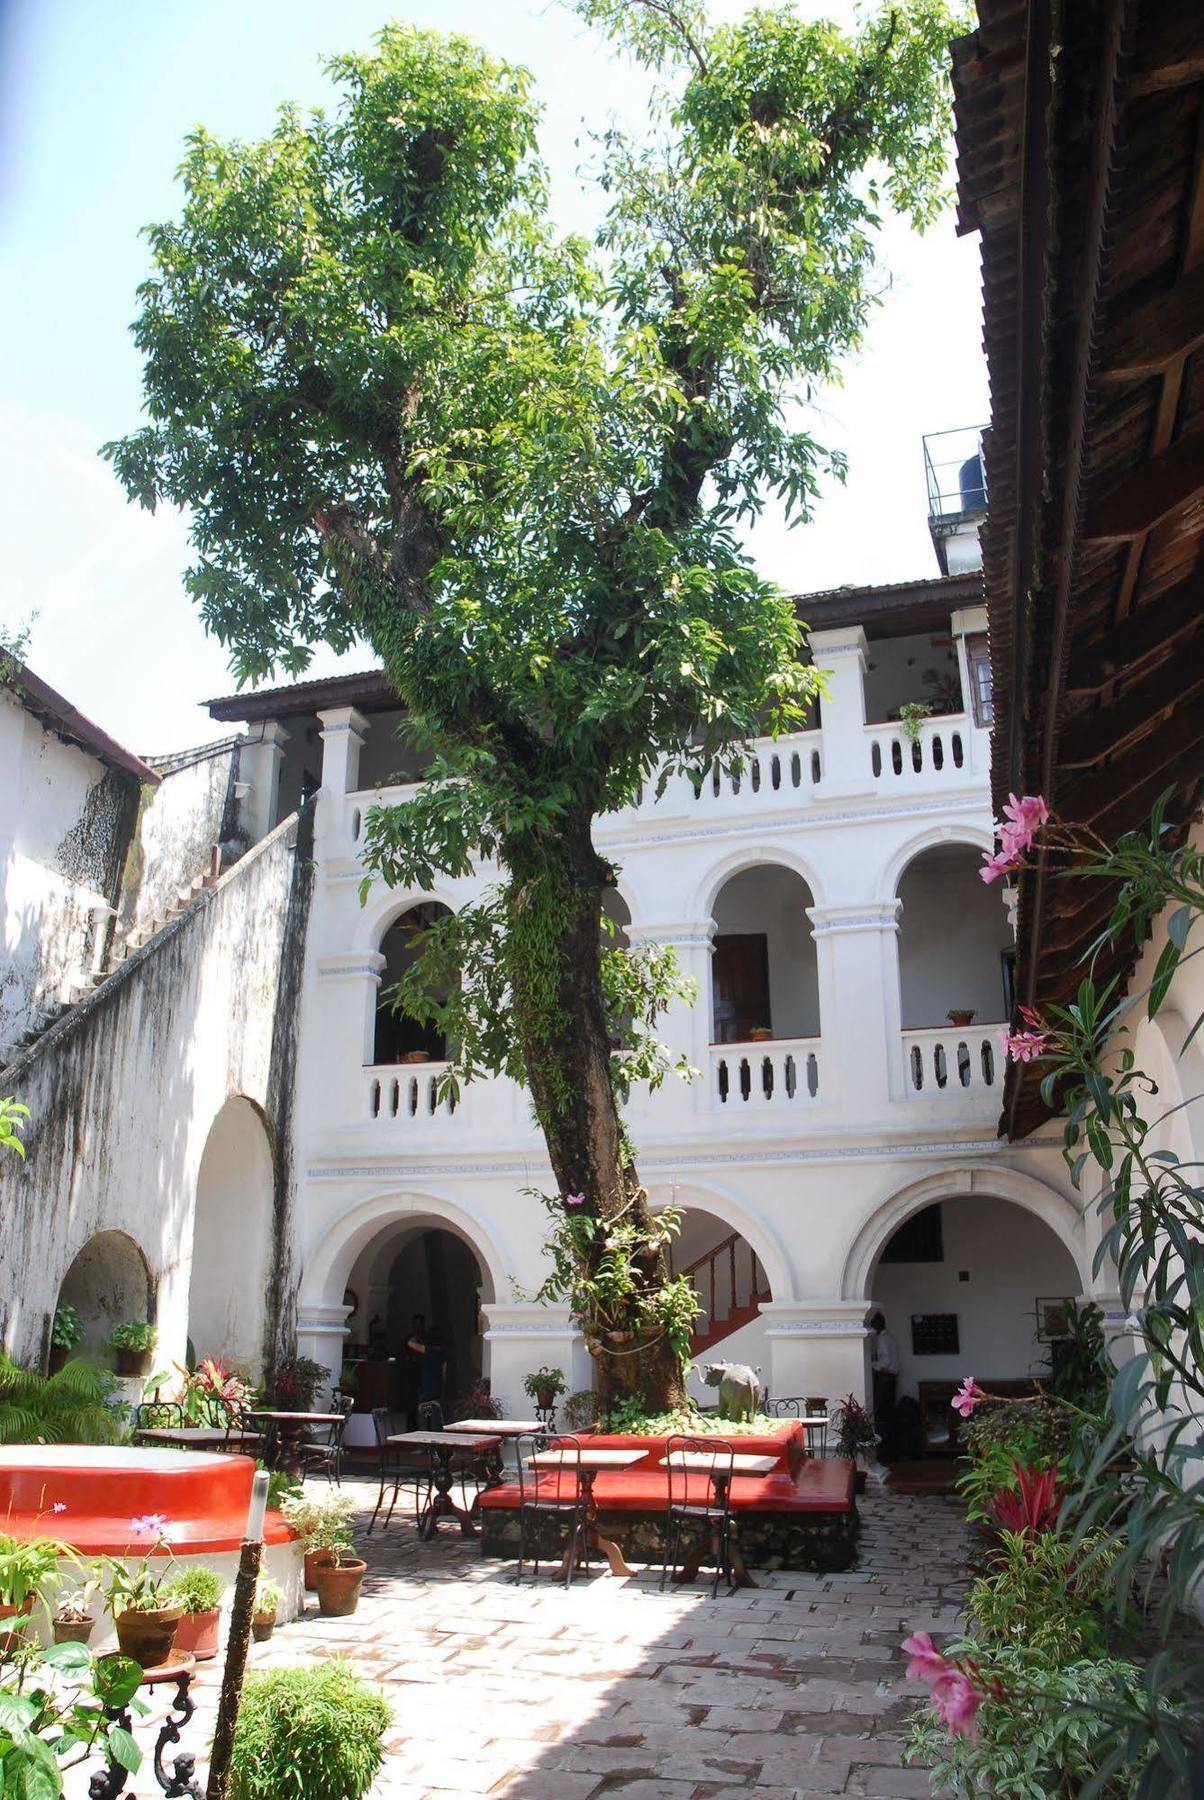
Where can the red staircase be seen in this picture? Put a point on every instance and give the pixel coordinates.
(729, 1281)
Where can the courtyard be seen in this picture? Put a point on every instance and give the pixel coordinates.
(794, 1688)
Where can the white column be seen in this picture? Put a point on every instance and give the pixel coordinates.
(343, 733)
(321, 1333)
(858, 956)
(523, 1337)
(683, 1028)
(347, 992)
(259, 764)
(818, 1347)
(841, 655)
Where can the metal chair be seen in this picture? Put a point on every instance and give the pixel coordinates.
(556, 1493)
(711, 1515)
(246, 1437)
(791, 1407)
(156, 1414)
(327, 1453)
(430, 1416)
(398, 1466)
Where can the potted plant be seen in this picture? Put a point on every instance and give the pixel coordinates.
(911, 719)
(145, 1618)
(315, 1731)
(323, 1526)
(268, 1595)
(133, 1345)
(25, 1569)
(339, 1580)
(760, 1034)
(66, 1335)
(296, 1383)
(199, 1591)
(545, 1387)
(856, 1437)
(961, 1017)
(74, 1620)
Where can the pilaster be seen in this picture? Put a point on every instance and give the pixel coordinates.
(817, 1347)
(259, 764)
(857, 952)
(841, 655)
(343, 733)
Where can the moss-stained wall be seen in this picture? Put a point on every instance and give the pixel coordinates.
(124, 1091)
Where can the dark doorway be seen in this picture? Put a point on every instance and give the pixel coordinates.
(741, 982)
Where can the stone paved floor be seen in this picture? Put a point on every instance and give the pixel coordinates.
(794, 1689)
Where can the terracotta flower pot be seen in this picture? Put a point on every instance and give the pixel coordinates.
(961, 1018)
(132, 1363)
(73, 1631)
(196, 1634)
(11, 1641)
(545, 1398)
(262, 1626)
(314, 1560)
(148, 1637)
(760, 1034)
(339, 1587)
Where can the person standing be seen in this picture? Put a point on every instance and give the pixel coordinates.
(884, 1366)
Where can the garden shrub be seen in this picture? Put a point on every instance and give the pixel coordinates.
(308, 1734)
(1043, 1595)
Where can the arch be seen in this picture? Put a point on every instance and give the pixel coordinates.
(725, 1207)
(1055, 1210)
(382, 912)
(973, 836)
(232, 1221)
(751, 856)
(940, 968)
(108, 1282)
(328, 1266)
(764, 970)
(398, 1036)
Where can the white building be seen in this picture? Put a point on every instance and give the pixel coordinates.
(269, 1152)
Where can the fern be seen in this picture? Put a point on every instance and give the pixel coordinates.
(74, 1406)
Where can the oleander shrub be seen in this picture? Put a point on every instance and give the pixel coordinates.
(308, 1734)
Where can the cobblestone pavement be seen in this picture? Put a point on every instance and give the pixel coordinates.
(793, 1689)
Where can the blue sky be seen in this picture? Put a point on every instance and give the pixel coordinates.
(95, 99)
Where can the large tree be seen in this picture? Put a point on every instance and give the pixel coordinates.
(401, 408)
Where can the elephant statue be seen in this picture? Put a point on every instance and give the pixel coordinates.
(740, 1390)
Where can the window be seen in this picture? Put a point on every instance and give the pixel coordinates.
(919, 1239)
(978, 659)
(740, 973)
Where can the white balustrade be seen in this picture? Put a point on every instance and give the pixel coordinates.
(409, 1093)
(938, 749)
(780, 1072)
(951, 1060)
(775, 772)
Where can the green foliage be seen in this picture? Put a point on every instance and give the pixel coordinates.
(542, 1381)
(601, 1268)
(911, 719)
(1001, 1434)
(1079, 1370)
(55, 1707)
(68, 1328)
(322, 1524)
(75, 1406)
(28, 1567)
(12, 1112)
(312, 1734)
(134, 1334)
(282, 1486)
(627, 1419)
(296, 1381)
(196, 1589)
(268, 1595)
(1044, 1595)
(580, 1410)
(1046, 1733)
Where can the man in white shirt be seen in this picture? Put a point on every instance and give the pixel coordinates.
(884, 1364)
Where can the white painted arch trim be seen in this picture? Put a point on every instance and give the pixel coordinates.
(991, 1182)
(971, 836)
(750, 856)
(386, 905)
(329, 1264)
(693, 1196)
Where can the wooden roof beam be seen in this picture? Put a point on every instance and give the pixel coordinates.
(1155, 490)
(1164, 327)
(1139, 637)
(1167, 754)
(1137, 712)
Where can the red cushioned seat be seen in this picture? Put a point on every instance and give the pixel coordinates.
(820, 1486)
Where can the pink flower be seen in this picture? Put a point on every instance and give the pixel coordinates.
(967, 1397)
(574, 1199)
(995, 866)
(1025, 819)
(1023, 1046)
(956, 1701)
(925, 1661)
(60, 1506)
(149, 1522)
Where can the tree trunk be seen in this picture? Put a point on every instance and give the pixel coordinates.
(556, 980)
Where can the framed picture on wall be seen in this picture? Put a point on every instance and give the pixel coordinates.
(1053, 1317)
(934, 1334)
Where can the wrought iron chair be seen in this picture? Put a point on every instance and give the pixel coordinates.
(399, 1467)
(326, 1453)
(552, 1494)
(156, 1414)
(709, 1516)
(247, 1437)
(430, 1416)
(790, 1407)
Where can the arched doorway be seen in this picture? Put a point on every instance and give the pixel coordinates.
(398, 1037)
(414, 1278)
(968, 1285)
(942, 969)
(108, 1283)
(232, 1238)
(765, 988)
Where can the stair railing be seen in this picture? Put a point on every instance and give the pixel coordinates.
(718, 1267)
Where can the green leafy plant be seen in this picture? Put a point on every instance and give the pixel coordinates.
(12, 1117)
(515, 464)
(1079, 1370)
(545, 1381)
(28, 1567)
(296, 1381)
(213, 1393)
(321, 1524)
(68, 1328)
(911, 719)
(308, 1734)
(1005, 1435)
(628, 1419)
(1044, 1595)
(56, 1710)
(76, 1604)
(77, 1405)
(134, 1334)
(856, 1434)
(196, 1589)
(141, 1586)
(282, 1486)
(580, 1410)
(268, 1596)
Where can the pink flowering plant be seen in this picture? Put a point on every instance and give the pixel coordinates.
(133, 1586)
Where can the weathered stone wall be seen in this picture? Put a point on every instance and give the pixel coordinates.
(194, 809)
(124, 1091)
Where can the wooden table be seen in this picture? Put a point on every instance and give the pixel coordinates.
(442, 1446)
(592, 1463)
(290, 1429)
(190, 1437)
(504, 1430)
(701, 1462)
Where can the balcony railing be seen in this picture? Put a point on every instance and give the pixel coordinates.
(781, 1073)
(952, 1060)
(937, 750)
(409, 1093)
